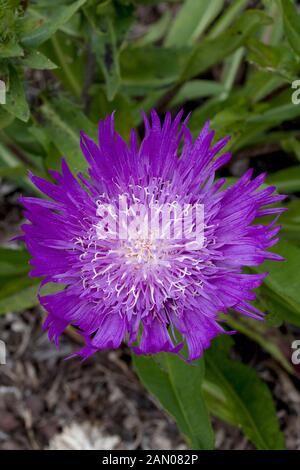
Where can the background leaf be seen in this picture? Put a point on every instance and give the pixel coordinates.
(16, 102)
(211, 51)
(282, 284)
(291, 21)
(242, 398)
(191, 21)
(63, 127)
(47, 24)
(178, 387)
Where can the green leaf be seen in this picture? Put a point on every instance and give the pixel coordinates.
(10, 49)
(282, 284)
(100, 107)
(13, 262)
(149, 2)
(230, 70)
(5, 118)
(20, 301)
(196, 89)
(291, 145)
(211, 51)
(276, 59)
(107, 55)
(276, 114)
(7, 157)
(293, 212)
(246, 401)
(290, 222)
(18, 137)
(63, 124)
(11, 167)
(18, 294)
(278, 309)
(241, 117)
(36, 60)
(191, 21)
(177, 386)
(47, 24)
(260, 84)
(13, 172)
(150, 68)
(221, 24)
(291, 22)
(286, 180)
(69, 57)
(156, 32)
(268, 338)
(16, 102)
(109, 33)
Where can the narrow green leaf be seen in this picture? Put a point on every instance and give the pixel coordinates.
(107, 55)
(13, 172)
(246, 399)
(18, 294)
(21, 300)
(291, 145)
(212, 51)
(230, 71)
(267, 337)
(290, 222)
(13, 261)
(177, 386)
(278, 59)
(293, 212)
(195, 89)
(226, 19)
(151, 68)
(291, 22)
(70, 68)
(109, 33)
(47, 25)
(100, 107)
(36, 60)
(10, 49)
(191, 21)
(286, 180)
(156, 32)
(283, 281)
(16, 102)
(7, 157)
(63, 124)
(11, 167)
(5, 118)
(279, 308)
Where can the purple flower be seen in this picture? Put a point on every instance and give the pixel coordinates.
(146, 288)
